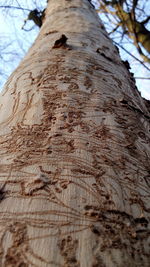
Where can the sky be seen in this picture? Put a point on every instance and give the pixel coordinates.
(14, 43)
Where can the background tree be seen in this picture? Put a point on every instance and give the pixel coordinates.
(74, 149)
(129, 18)
(127, 23)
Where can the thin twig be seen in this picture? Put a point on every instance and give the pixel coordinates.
(16, 7)
(142, 78)
(132, 55)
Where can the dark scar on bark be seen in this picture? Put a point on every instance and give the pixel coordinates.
(2, 193)
(126, 64)
(103, 55)
(61, 42)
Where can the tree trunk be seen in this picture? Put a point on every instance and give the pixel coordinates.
(75, 161)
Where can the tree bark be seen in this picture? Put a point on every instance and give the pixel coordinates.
(74, 151)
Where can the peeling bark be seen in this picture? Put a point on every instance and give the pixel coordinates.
(74, 149)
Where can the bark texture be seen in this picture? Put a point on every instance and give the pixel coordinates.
(74, 151)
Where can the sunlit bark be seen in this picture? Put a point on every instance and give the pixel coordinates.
(74, 151)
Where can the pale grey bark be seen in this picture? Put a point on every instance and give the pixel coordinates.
(74, 151)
